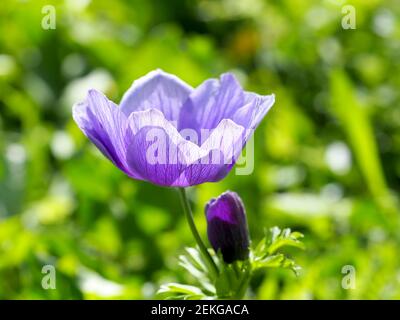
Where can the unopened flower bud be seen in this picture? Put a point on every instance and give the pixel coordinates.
(227, 227)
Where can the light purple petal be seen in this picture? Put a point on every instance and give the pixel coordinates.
(158, 151)
(164, 157)
(213, 101)
(157, 90)
(255, 109)
(223, 147)
(210, 168)
(155, 156)
(106, 126)
(154, 118)
(228, 137)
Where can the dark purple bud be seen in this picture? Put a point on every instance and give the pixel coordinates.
(227, 227)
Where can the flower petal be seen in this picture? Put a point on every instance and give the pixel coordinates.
(155, 118)
(207, 169)
(213, 101)
(154, 155)
(106, 126)
(257, 106)
(159, 90)
(158, 151)
(228, 137)
(222, 149)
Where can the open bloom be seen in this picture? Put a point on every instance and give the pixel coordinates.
(170, 134)
(227, 227)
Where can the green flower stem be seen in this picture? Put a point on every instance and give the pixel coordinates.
(189, 216)
(237, 269)
(241, 291)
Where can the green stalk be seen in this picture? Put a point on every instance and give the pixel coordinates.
(241, 290)
(189, 216)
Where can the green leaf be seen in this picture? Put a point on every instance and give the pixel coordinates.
(193, 270)
(265, 254)
(284, 238)
(193, 262)
(277, 261)
(172, 291)
(195, 257)
(199, 275)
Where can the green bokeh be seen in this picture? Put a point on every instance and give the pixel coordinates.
(326, 156)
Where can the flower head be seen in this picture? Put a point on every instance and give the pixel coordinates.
(227, 227)
(170, 134)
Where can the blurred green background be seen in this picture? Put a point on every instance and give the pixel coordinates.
(326, 155)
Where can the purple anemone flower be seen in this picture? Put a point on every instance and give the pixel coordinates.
(170, 134)
(227, 227)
